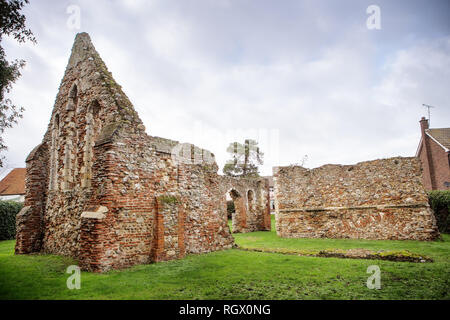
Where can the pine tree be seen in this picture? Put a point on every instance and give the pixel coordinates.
(245, 159)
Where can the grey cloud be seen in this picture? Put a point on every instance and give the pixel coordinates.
(310, 69)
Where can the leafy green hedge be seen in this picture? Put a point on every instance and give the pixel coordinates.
(440, 203)
(8, 212)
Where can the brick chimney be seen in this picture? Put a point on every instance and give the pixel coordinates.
(423, 125)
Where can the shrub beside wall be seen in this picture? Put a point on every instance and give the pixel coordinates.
(8, 212)
(440, 203)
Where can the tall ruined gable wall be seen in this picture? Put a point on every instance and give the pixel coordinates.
(381, 199)
(88, 103)
(101, 190)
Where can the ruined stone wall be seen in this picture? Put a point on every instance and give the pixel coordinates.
(159, 208)
(381, 199)
(101, 190)
(206, 222)
(88, 102)
(125, 178)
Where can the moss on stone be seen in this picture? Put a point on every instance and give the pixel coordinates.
(168, 199)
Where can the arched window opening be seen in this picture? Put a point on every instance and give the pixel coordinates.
(235, 209)
(95, 109)
(53, 184)
(73, 98)
(93, 127)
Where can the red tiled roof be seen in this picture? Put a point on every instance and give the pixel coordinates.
(14, 182)
(442, 135)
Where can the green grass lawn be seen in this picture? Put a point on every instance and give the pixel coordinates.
(438, 250)
(238, 274)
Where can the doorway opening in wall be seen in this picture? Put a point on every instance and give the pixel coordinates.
(232, 197)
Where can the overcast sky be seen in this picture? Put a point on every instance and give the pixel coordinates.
(301, 77)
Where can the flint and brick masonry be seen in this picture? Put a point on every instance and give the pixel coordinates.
(380, 199)
(101, 190)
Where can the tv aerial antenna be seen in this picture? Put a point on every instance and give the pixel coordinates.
(429, 113)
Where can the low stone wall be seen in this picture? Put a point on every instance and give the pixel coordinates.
(380, 199)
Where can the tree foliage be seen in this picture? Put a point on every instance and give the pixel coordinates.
(440, 203)
(230, 208)
(8, 212)
(12, 24)
(245, 159)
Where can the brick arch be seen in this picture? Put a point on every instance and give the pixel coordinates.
(253, 217)
(239, 218)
